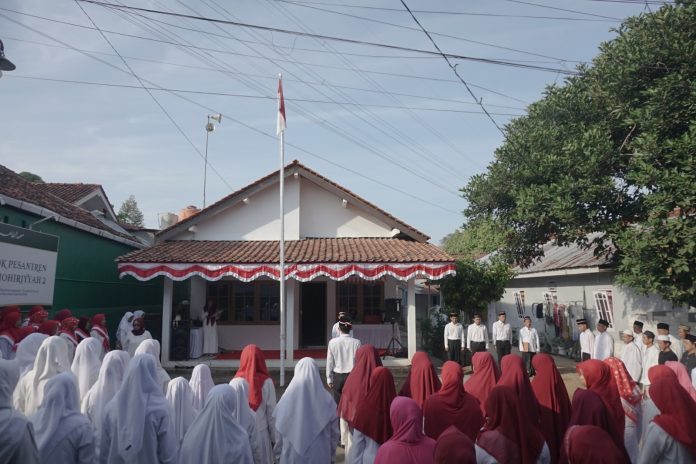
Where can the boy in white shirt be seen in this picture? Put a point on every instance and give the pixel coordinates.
(454, 338)
(586, 340)
(528, 344)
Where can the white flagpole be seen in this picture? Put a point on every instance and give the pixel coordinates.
(282, 253)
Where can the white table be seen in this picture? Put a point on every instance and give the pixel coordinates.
(377, 335)
(196, 343)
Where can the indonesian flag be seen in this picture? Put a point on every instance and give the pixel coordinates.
(280, 127)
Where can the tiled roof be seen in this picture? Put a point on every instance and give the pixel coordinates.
(311, 250)
(289, 169)
(569, 256)
(15, 186)
(68, 192)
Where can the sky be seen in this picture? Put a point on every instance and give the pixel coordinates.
(391, 123)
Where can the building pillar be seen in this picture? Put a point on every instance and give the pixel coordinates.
(167, 299)
(331, 307)
(291, 286)
(411, 317)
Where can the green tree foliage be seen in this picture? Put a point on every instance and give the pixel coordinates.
(130, 213)
(476, 238)
(613, 150)
(31, 177)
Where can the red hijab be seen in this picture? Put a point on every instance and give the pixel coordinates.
(98, 325)
(599, 379)
(452, 406)
(454, 447)
(589, 444)
(358, 381)
(9, 326)
(422, 380)
(515, 376)
(554, 403)
(631, 398)
(37, 315)
(62, 314)
(252, 368)
(372, 413)
(8, 310)
(683, 377)
(408, 445)
(486, 375)
(677, 409)
(589, 409)
(507, 424)
(49, 327)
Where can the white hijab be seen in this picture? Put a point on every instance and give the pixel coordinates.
(124, 327)
(180, 399)
(152, 347)
(86, 364)
(215, 435)
(26, 351)
(140, 393)
(110, 378)
(305, 409)
(201, 383)
(9, 418)
(51, 360)
(244, 414)
(58, 414)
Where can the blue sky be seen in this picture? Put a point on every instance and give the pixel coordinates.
(392, 126)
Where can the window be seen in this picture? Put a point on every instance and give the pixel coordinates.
(604, 306)
(360, 299)
(255, 302)
(519, 303)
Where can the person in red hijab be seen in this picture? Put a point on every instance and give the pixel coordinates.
(408, 445)
(100, 332)
(454, 447)
(62, 314)
(67, 333)
(670, 437)
(421, 381)
(262, 397)
(49, 327)
(371, 423)
(597, 377)
(554, 403)
(37, 315)
(10, 333)
(515, 376)
(486, 375)
(589, 444)
(508, 436)
(7, 310)
(631, 401)
(452, 406)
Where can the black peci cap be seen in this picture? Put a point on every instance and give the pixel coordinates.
(638, 323)
(604, 322)
(581, 321)
(662, 325)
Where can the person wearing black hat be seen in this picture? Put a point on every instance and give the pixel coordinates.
(454, 338)
(675, 344)
(502, 336)
(689, 356)
(650, 358)
(604, 343)
(586, 340)
(340, 357)
(638, 335)
(342, 317)
(476, 336)
(528, 344)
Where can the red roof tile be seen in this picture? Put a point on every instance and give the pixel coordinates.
(311, 250)
(68, 192)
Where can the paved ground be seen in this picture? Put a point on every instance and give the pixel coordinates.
(565, 366)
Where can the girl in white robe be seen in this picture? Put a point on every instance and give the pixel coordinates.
(180, 399)
(26, 351)
(18, 445)
(216, 436)
(137, 427)
(305, 419)
(124, 328)
(201, 383)
(63, 435)
(210, 335)
(136, 336)
(85, 366)
(246, 416)
(152, 347)
(110, 378)
(51, 359)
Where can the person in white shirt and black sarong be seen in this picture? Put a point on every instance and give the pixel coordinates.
(586, 340)
(529, 344)
(454, 339)
(502, 336)
(476, 336)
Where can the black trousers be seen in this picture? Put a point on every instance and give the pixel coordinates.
(477, 346)
(502, 347)
(527, 357)
(339, 380)
(454, 350)
(585, 356)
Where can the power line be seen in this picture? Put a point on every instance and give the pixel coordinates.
(540, 5)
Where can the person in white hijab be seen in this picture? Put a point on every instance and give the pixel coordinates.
(152, 347)
(86, 364)
(215, 437)
(63, 435)
(51, 359)
(201, 383)
(305, 419)
(180, 399)
(26, 351)
(137, 427)
(111, 374)
(124, 328)
(247, 418)
(17, 445)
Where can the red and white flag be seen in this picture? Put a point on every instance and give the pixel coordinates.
(280, 127)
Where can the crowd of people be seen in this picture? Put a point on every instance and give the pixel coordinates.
(121, 406)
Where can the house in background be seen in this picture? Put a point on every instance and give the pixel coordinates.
(342, 254)
(86, 280)
(570, 283)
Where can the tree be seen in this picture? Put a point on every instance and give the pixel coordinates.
(31, 177)
(612, 151)
(130, 213)
(474, 239)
